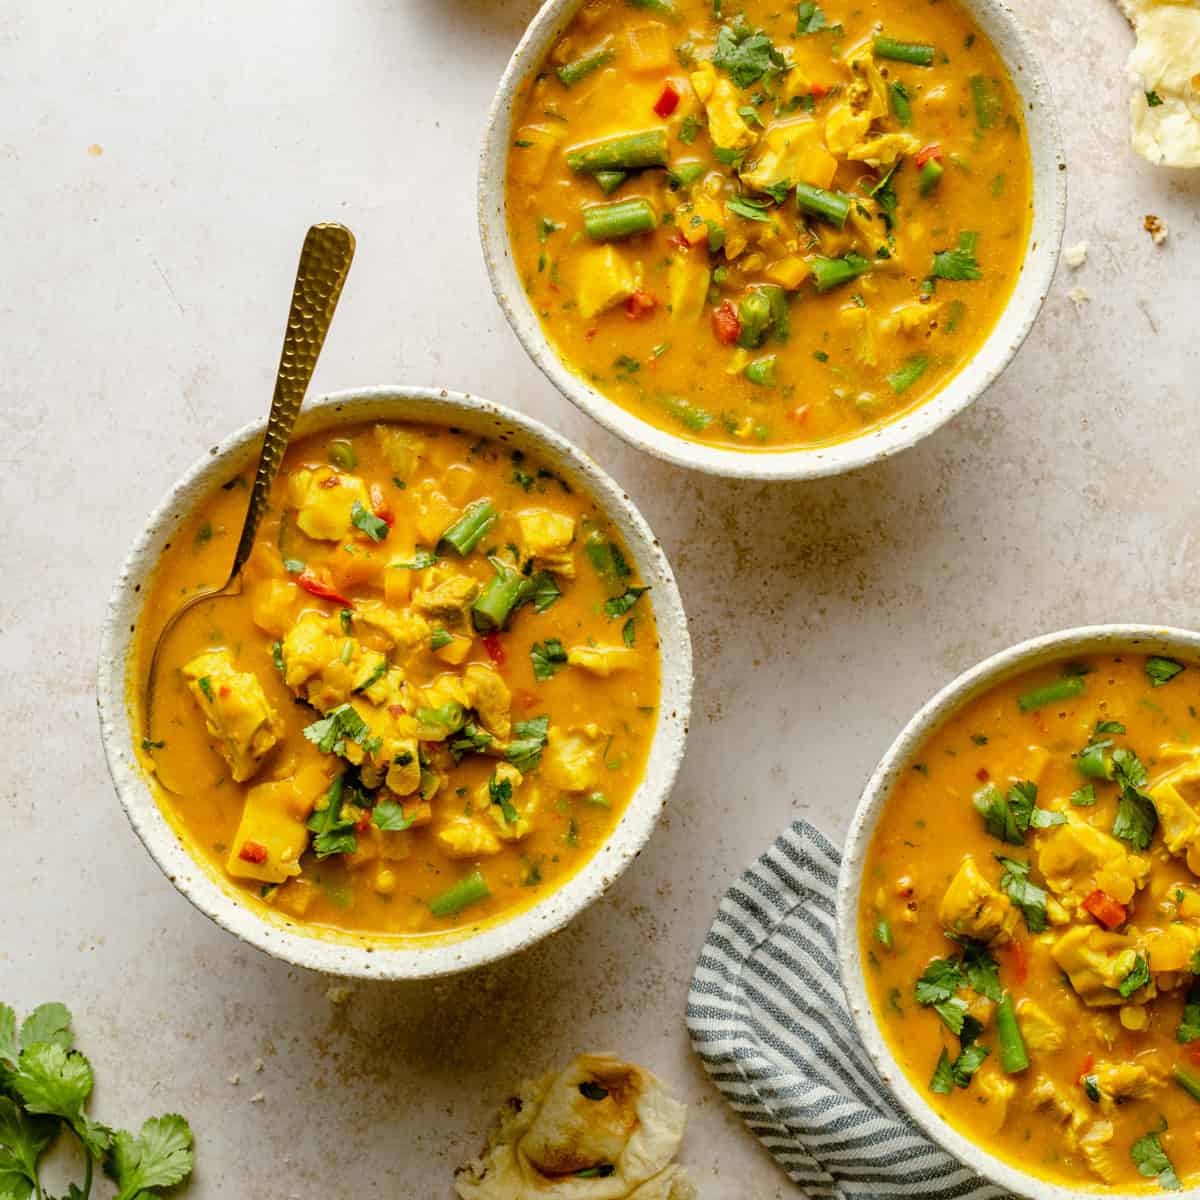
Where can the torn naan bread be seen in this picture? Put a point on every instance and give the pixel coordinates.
(599, 1130)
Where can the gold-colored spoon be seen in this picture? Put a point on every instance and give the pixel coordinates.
(324, 263)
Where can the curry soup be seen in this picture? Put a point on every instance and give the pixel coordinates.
(770, 225)
(1030, 922)
(433, 699)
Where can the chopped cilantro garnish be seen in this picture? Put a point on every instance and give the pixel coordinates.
(1137, 977)
(1162, 670)
(959, 264)
(548, 658)
(1151, 1159)
(745, 54)
(389, 816)
(618, 606)
(204, 683)
(376, 528)
(528, 740)
(500, 792)
(1026, 895)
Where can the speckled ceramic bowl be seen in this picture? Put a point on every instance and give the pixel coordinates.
(995, 17)
(429, 955)
(1133, 639)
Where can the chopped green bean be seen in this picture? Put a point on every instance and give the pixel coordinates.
(609, 181)
(1061, 689)
(465, 534)
(931, 176)
(622, 219)
(883, 933)
(685, 174)
(761, 371)
(754, 313)
(571, 73)
(628, 152)
(1014, 1058)
(908, 373)
(1188, 1080)
(906, 52)
(341, 454)
(832, 206)
(829, 273)
(495, 604)
(467, 891)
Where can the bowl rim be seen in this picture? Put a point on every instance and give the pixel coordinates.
(881, 441)
(944, 704)
(426, 956)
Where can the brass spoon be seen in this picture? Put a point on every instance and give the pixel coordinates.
(324, 264)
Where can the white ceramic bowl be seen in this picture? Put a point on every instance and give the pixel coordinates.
(430, 955)
(1134, 639)
(996, 19)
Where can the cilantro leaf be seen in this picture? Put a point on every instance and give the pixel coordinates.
(543, 591)
(10, 1050)
(528, 741)
(376, 528)
(1162, 670)
(335, 834)
(884, 193)
(1189, 1022)
(607, 559)
(939, 981)
(982, 970)
(340, 724)
(1151, 1159)
(53, 1081)
(1136, 819)
(470, 739)
(809, 18)
(618, 606)
(953, 1013)
(749, 209)
(389, 816)
(159, 1157)
(1026, 895)
(500, 792)
(48, 1023)
(958, 264)
(548, 659)
(1138, 977)
(1085, 796)
(1153, 99)
(968, 1062)
(1128, 770)
(745, 54)
(629, 632)
(943, 1077)
(23, 1140)
(421, 559)
(1008, 817)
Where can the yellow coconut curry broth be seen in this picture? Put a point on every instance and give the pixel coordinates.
(769, 225)
(434, 697)
(1030, 921)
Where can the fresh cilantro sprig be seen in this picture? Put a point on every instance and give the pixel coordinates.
(1151, 1159)
(1010, 816)
(45, 1084)
(1023, 892)
(746, 54)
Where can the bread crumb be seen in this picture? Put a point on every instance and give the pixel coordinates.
(1079, 296)
(257, 1098)
(1156, 227)
(258, 1066)
(338, 994)
(1075, 256)
(234, 1080)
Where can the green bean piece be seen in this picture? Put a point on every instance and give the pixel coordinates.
(1061, 689)
(754, 313)
(341, 454)
(883, 933)
(906, 52)
(467, 891)
(662, 7)
(829, 273)
(628, 152)
(1188, 1080)
(503, 592)
(622, 219)
(781, 317)
(571, 73)
(761, 371)
(689, 415)
(931, 176)
(904, 376)
(685, 174)
(1014, 1058)
(609, 181)
(832, 206)
(465, 534)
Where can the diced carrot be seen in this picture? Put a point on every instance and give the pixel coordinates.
(640, 304)
(253, 852)
(1105, 909)
(927, 152)
(726, 324)
(1020, 961)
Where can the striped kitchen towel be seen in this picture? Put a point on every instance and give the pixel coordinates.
(768, 1018)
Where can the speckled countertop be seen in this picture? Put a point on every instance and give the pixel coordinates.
(158, 166)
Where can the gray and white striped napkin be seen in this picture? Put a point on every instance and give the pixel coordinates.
(767, 1016)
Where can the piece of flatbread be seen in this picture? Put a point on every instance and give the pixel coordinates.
(1165, 67)
(600, 1129)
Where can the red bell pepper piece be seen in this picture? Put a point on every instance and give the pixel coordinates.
(1088, 1063)
(927, 152)
(1020, 961)
(640, 304)
(495, 650)
(667, 101)
(726, 324)
(1105, 909)
(320, 586)
(818, 90)
(253, 852)
(380, 507)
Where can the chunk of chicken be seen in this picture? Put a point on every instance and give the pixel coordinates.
(546, 537)
(1041, 1030)
(447, 597)
(489, 696)
(1177, 819)
(884, 149)
(524, 805)
(1077, 859)
(1044, 1094)
(574, 758)
(1095, 1144)
(721, 101)
(465, 837)
(604, 277)
(602, 660)
(973, 908)
(402, 449)
(1126, 1081)
(404, 631)
(324, 500)
(326, 666)
(236, 711)
(1096, 962)
(791, 151)
(993, 1092)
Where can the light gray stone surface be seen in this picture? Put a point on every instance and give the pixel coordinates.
(142, 290)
